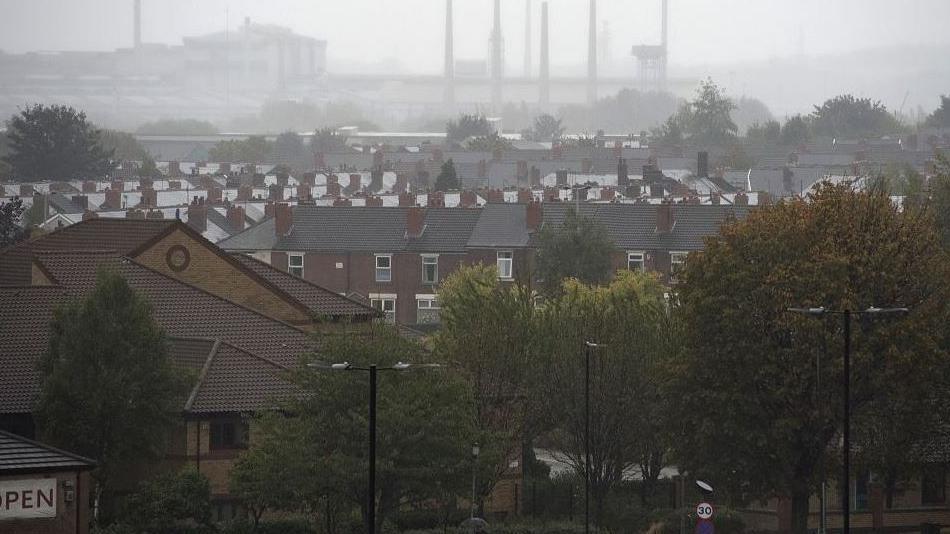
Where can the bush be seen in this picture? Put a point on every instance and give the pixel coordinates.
(273, 526)
(726, 521)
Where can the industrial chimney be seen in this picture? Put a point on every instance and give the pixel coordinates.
(527, 38)
(137, 21)
(544, 96)
(663, 43)
(592, 55)
(496, 60)
(449, 97)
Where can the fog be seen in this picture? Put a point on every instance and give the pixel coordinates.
(790, 55)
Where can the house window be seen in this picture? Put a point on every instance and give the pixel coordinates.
(430, 269)
(636, 261)
(384, 268)
(677, 261)
(385, 304)
(427, 309)
(505, 264)
(228, 434)
(295, 264)
(933, 485)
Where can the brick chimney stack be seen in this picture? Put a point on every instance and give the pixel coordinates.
(406, 200)
(623, 175)
(236, 217)
(468, 199)
(533, 215)
(702, 164)
(664, 217)
(198, 214)
(283, 218)
(356, 182)
(415, 221)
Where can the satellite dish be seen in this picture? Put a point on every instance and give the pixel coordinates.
(704, 486)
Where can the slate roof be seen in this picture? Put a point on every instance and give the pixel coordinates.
(261, 236)
(633, 226)
(500, 225)
(346, 228)
(234, 380)
(446, 230)
(320, 300)
(21, 455)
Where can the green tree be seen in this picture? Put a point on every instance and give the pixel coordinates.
(424, 425)
(11, 213)
(254, 149)
(750, 111)
(123, 145)
(707, 118)
(148, 169)
(55, 143)
(326, 141)
(579, 248)
(447, 179)
(630, 319)
(670, 133)
(747, 405)
(845, 115)
(289, 147)
(940, 198)
(795, 131)
(486, 333)
(489, 143)
(769, 132)
(177, 127)
(940, 118)
(467, 126)
(546, 128)
(170, 504)
(108, 389)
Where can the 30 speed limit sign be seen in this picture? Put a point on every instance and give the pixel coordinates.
(704, 510)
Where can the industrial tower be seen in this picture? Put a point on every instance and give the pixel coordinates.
(651, 59)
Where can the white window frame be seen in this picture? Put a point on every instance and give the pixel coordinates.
(379, 301)
(431, 302)
(510, 260)
(637, 257)
(434, 261)
(290, 266)
(380, 270)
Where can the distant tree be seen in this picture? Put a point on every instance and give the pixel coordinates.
(55, 143)
(736, 158)
(750, 111)
(580, 248)
(254, 149)
(177, 127)
(769, 132)
(670, 133)
(447, 179)
(170, 503)
(546, 128)
(795, 131)
(124, 146)
(629, 110)
(774, 430)
(282, 115)
(707, 118)
(289, 147)
(489, 143)
(845, 115)
(148, 169)
(108, 389)
(11, 213)
(940, 118)
(940, 197)
(327, 141)
(467, 126)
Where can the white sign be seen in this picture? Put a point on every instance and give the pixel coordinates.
(26, 499)
(704, 510)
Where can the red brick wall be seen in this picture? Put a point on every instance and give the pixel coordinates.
(67, 513)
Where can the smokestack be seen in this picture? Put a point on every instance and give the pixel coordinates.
(137, 29)
(592, 55)
(496, 60)
(544, 96)
(663, 42)
(527, 38)
(449, 57)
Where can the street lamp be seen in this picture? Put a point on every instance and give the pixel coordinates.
(475, 451)
(846, 379)
(588, 345)
(372, 370)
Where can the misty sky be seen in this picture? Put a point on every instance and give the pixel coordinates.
(703, 32)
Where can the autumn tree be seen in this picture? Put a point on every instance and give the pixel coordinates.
(55, 143)
(748, 409)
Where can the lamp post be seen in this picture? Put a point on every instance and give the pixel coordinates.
(588, 345)
(372, 370)
(846, 384)
(475, 451)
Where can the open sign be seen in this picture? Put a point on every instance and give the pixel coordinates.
(26, 499)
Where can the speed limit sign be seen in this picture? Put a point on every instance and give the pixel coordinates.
(704, 510)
